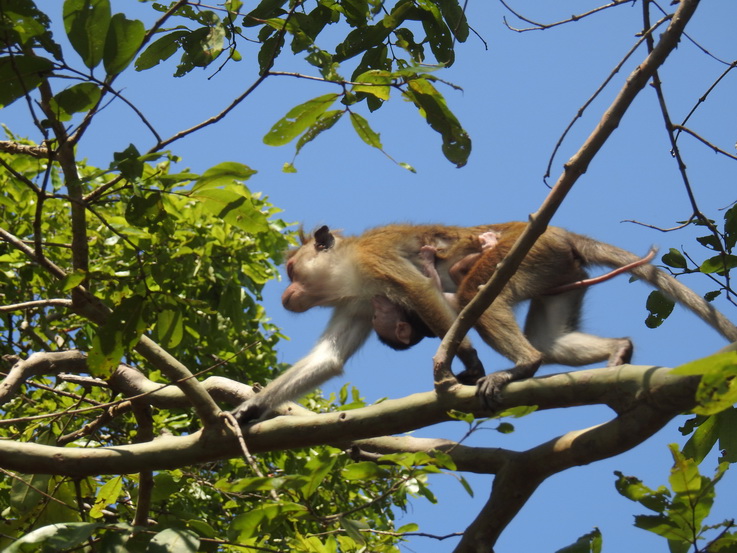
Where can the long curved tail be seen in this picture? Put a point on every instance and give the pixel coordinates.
(594, 252)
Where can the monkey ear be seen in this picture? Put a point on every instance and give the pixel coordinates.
(324, 239)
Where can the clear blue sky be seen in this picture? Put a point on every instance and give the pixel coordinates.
(518, 96)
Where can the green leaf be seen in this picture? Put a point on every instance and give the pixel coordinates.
(86, 23)
(145, 211)
(169, 328)
(72, 279)
(21, 74)
(202, 46)
(55, 537)
(365, 38)
(323, 123)
(455, 17)
(719, 264)
(174, 540)
(107, 495)
(224, 174)
(23, 23)
(119, 333)
(80, 97)
(27, 490)
(728, 434)
(353, 530)
(364, 130)
(703, 439)
(438, 34)
(456, 142)
(377, 83)
(298, 119)
(588, 543)
(269, 51)
(717, 389)
(159, 50)
(465, 484)
(675, 259)
(129, 163)
(633, 489)
(247, 525)
(124, 38)
(660, 306)
(363, 470)
(505, 428)
(233, 205)
(267, 9)
(662, 526)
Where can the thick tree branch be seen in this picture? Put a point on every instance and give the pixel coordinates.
(663, 393)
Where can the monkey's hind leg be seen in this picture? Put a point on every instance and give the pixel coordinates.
(498, 328)
(552, 327)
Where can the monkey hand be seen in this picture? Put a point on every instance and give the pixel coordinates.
(247, 412)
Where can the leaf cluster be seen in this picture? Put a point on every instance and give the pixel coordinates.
(681, 510)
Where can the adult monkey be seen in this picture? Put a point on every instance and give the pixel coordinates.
(347, 272)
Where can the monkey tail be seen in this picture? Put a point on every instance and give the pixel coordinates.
(594, 252)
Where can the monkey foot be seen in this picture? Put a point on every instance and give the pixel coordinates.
(490, 386)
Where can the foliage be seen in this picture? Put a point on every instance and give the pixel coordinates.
(183, 257)
(681, 511)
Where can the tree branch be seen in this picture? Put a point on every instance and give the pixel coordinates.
(663, 393)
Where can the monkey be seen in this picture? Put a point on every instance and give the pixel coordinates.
(400, 329)
(347, 272)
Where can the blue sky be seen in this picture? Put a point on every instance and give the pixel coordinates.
(518, 96)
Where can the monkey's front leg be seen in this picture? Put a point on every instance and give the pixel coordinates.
(346, 332)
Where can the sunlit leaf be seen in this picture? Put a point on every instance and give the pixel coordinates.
(719, 264)
(169, 327)
(298, 120)
(107, 495)
(224, 174)
(364, 130)
(363, 470)
(377, 83)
